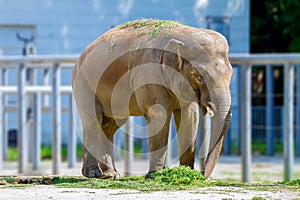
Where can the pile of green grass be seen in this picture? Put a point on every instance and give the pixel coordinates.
(177, 178)
(295, 182)
(180, 176)
(152, 27)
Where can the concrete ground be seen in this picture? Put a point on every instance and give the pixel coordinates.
(263, 170)
(44, 192)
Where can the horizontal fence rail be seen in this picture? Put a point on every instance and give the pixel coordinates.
(31, 98)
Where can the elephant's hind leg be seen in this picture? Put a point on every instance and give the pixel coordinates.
(90, 168)
(88, 109)
(106, 163)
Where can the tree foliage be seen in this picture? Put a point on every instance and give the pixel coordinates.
(275, 26)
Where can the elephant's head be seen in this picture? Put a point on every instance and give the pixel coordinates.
(203, 60)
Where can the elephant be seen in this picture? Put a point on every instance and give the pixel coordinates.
(155, 69)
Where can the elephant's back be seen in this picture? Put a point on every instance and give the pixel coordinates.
(134, 35)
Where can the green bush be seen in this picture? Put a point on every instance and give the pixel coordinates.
(46, 153)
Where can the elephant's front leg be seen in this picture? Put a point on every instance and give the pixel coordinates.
(186, 120)
(158, 125)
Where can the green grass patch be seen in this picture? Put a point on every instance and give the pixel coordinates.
(149, 22)
(12, 154)
(177, 178)
(295, 182)
(46, 153)
(153, 27)
(258, 198)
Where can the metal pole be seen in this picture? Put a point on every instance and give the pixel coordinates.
(288, 121)
(270, 110)
(246, 122)
(1, 129)
(169, 151)
(298, 112)
(46, 82)
(22, 135)
(37, 131)
(172, 144)
(56, 120)
(204, 140)
(30, 74)
(227, 143)
(128, 147)
(239, 112)
(72, 136)
(145, 140)
(4, 142)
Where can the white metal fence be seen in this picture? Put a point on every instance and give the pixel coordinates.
(34, 97)
(29, 93)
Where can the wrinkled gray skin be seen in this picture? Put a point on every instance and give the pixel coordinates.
(184, 68)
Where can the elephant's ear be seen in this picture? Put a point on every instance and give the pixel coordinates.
(172, 54)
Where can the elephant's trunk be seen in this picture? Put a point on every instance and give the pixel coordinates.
(219, 125)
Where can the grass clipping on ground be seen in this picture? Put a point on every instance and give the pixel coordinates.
(177, 178)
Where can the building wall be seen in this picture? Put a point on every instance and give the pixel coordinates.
(67, 26)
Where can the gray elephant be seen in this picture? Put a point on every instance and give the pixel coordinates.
(152, 68)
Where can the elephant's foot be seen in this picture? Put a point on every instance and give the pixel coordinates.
(110, 174)
(150, 175)
(91, 172)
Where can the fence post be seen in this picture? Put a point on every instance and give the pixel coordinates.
(22, 135)
(128, 146)
(239, 112)
(270, 110)
(298, 112)
(172, 152)
(46, 82)
(30, 80)
(169, 151)
(246, 122)
(37, 131)
(4, 142)
(1, 130)
(72, 136)
(227, 143)
(204, 140)
(145, 148)
(56, 120)
(288, 121)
